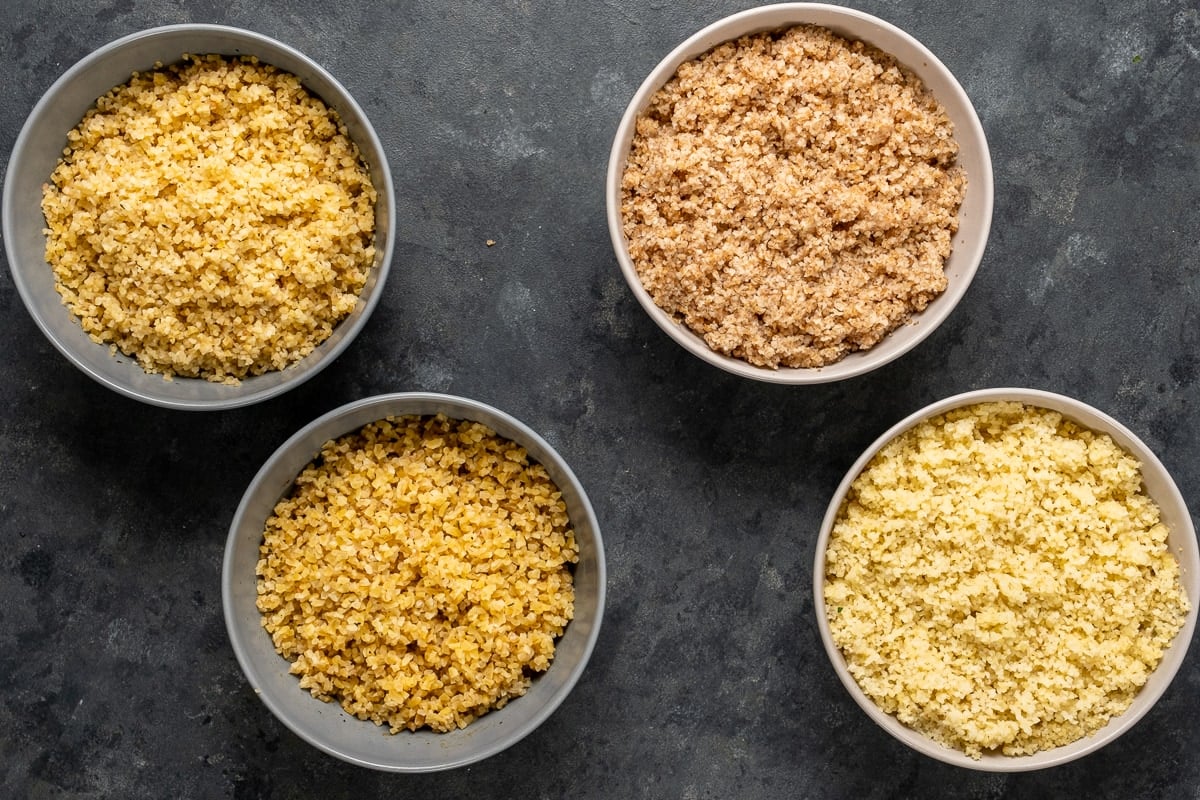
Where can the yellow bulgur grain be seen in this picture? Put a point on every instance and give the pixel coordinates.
(791, 197)
(998, 580)
(211, 219)
(419, 573)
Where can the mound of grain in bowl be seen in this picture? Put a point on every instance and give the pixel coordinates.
(791, 197)
(419, 572)
(999, 580)
(211, 219)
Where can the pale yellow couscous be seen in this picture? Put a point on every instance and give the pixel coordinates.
(211, 219)
(998, 580)
(791, 197)
(419, 573)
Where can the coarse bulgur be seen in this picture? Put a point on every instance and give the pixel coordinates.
(211, 219)
(791, 197)
(998, 580)
(419, 573)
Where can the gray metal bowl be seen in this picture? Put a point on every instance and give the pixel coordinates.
(40, 145)
(326, 725)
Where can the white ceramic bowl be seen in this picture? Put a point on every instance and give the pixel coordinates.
(40, 145)
(1181, 540)
(325, 725)
(975, 215)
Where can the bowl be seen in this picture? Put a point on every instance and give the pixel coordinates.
(1157, 483)
(326, 725)
(40, 144)
(974, 215)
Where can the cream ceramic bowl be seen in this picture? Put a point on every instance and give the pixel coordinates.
(325, 725)
(40, 145)
(1181, 540)
(975, 214)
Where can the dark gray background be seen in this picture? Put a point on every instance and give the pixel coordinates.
(709, 681)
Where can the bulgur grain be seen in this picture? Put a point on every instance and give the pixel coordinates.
(791, 197)
(211, 219)
(998, 580)
(419, 573)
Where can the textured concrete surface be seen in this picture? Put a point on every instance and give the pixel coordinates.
(116, 676)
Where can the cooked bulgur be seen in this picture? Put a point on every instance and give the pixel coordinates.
(419, 573)
(211, 219)
(999, 580)
(791, 197)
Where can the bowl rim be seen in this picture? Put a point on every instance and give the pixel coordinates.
(339, 422)
(980, 185)
(1183, 541)
(365, 138)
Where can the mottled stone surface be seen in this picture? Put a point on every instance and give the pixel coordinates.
(116, 676)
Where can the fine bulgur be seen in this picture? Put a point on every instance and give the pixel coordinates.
(998, 579)
(791, 197)
(211, 219)
(419, 573)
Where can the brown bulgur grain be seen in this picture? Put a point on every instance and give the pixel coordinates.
(419, 572)
(999, 580)
(211, 219)
(791, 197)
